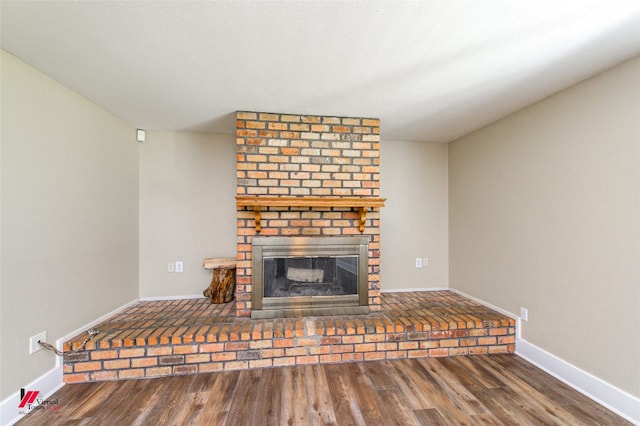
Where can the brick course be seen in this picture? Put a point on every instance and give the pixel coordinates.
(314, 349)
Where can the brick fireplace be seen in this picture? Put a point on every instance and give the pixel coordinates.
(298, 176)
(311, 176)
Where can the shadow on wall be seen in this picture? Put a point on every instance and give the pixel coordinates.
(222, 124)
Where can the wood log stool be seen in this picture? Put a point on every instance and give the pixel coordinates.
(223, 280)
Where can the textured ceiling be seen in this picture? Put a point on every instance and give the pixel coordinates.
(431, 70)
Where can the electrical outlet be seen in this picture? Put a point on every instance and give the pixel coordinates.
(524, 314)
(425, 262)
(179, 266)
(418, 262)
(171, 267)
(34, 346)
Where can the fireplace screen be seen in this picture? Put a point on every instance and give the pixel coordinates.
(309, 276)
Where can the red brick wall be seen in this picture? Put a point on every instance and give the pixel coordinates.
(304, 155)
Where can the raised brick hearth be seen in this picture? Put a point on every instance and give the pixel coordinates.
(163, 338)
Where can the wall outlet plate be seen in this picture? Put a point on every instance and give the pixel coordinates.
(179, 266)
(34, 346)
(171, 267)
(418, 262)
(524, 314)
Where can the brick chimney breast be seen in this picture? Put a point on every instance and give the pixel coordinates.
(291, 155)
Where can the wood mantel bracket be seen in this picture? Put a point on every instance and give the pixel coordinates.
(258, 218)
(362, 217)
(361, 204)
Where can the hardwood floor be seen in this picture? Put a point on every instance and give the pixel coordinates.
(494, 390)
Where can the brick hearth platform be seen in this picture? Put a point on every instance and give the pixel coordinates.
(164, 338)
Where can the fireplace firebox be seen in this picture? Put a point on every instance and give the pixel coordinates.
(302, 276)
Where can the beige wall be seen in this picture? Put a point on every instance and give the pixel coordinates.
(545, 214)
(69, 217)
(414, 223)
(187, 209)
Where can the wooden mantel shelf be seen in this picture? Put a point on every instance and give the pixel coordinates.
(275, 201)
(362, 204)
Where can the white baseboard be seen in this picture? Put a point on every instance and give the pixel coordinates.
(52, 380)
(487, 304)
(186, 296)
(47, 384)
(616, 400)
(408, 290)
(68, 336)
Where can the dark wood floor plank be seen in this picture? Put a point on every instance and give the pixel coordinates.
(471, 374)
(193, 407)
(366, 399)
(294, 397)
(202, 383)
(410, 384)
(487, 419)
(396, 411)
(553, 389)
(379, 375)
(267, 410)
(540, 404)
(506, 410)
(431, 417)
(246, 391)
(165, 406)
(155, 401)
(575, 403)
(124, 408)
(319, 402)
(393, 402)
(437, 395)
(220, 398)
(196, 402)
(455, 386)
(515, 406)
(341, 396)
(419, 385)
(94, 397)
(496, 397)
(478, 390)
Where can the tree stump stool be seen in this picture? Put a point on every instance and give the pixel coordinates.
(223, 280)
